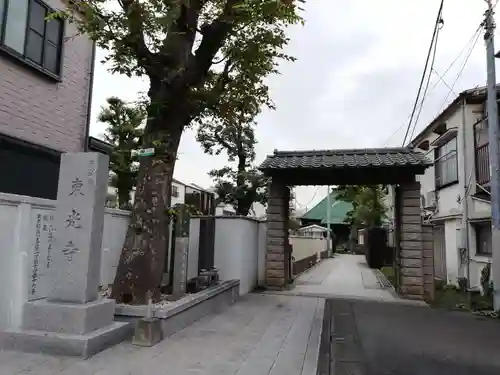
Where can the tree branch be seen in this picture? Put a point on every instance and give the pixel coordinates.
(135, 38)
(182, 33)
(213, 39)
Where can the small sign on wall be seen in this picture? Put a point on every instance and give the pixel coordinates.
(42, 233)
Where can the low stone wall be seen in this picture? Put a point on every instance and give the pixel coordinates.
(304, 264)
(177, 315)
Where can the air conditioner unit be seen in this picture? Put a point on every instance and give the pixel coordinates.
(430, 199)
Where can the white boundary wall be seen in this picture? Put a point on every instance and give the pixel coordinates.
(26, 248)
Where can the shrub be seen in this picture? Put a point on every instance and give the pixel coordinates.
(462, 284)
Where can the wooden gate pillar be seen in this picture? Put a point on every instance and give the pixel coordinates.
(277, 266)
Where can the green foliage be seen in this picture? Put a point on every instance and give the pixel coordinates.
(193, 52)
(293, 224)
(240, 188)
(180, 44)
(485, 281)
(111, 201)
(229, 127)
(368, 204)
(123, 132)
(462, 284)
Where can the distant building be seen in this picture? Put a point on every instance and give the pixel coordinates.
(313, 231)
(338, 214)
(182, 193)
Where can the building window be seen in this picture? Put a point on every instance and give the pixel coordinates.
(175, 191)
(26, 34)
(483, 239)
(446, 165)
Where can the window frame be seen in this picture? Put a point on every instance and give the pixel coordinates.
(21, 58)
(175, 191)
(438, 160)
(477, 228)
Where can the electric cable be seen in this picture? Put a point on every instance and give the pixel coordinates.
(459, 74)
(465, 47)
(424, 73)
(424, 96)
(308, 203)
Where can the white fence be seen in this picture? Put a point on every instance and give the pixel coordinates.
(304, 247)
(26, 237)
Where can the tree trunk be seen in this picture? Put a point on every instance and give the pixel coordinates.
(123, 195)
(142, 260)
(242, 208)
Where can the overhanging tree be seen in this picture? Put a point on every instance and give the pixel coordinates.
(240, 184)
(123, 132)
(368, 204)
(177, 45)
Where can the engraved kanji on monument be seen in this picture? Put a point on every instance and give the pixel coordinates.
(72, 320)
(79, 219)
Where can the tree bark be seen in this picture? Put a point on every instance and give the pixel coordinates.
(123, 197)
(141, 265)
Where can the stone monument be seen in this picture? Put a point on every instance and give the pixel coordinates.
(73, 320)
(180, 253)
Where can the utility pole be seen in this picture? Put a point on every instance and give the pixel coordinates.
(328, 234)
(494, 155)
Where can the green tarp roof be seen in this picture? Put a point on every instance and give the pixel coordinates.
(338, 211)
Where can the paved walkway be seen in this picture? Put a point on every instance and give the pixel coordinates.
(259, 335)
(345, 276)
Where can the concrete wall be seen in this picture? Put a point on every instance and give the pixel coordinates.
(303, 247)
(40, 110)
(26, 247)
(237, 250)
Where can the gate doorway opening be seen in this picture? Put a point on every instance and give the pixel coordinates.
(384, 166)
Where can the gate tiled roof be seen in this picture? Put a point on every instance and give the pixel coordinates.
(341, 159)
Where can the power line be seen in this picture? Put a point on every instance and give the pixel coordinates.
(424, 96)
(434, 33)
(459, 74)
(471, 40)
(441, 78)
(308, 203)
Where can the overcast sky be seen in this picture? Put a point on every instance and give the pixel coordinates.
(353, 85)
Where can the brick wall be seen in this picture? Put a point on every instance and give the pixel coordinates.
(37, 109)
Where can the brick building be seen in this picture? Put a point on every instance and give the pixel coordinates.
(45, 94)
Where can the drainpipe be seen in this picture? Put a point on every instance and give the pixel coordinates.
(465, 200)
(89, 100)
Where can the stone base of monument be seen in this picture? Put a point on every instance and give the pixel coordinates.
(62, 328)
(147, 332)
(179, 314)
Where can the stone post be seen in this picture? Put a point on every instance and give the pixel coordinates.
(73, 320)
(411, 251)
(277, 239)
(180, 253)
